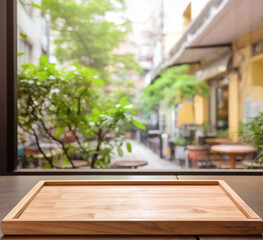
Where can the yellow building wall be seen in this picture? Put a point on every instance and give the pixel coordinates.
(233, 106)
(247, 82)
(185, 114)
(257, 70)
(201, 110)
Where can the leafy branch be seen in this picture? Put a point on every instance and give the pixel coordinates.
(52, 103)
(172, 87)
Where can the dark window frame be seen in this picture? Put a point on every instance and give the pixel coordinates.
(8, 112)
(8, 86)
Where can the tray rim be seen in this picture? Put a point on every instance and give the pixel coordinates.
(24, 202)
(13, 216)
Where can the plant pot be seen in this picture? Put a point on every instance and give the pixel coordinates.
(202, 139)
(197, 148)
(128, 135)
(179, 152)
(197, 152)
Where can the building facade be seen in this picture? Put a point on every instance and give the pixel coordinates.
(33, 32)
(223, 45)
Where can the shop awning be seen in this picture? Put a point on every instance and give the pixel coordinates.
(230, 21)
(214, 68)
(196, 54)
(219, 24)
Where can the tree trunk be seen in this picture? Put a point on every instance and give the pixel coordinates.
(95, 156)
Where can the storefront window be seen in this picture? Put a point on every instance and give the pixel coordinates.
(109, 85)
(222, 108)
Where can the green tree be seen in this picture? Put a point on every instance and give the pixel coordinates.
(87, 35)
(172, 87)
(52, 102)
(252, 132)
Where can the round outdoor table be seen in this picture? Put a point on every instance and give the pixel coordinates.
(232, 151)
(129, 163)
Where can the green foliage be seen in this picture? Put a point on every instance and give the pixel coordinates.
(222, 133)
(119, 94)
(88, 36)
(196, 142)
(64, 163)
(252, 132)
(129, 147)
(123, 89)
(206, 128)
(36, 6)
(180, 141)
(23, 35)
(53, 102)
(138, 124)
(120, 152)
(20, 54)
(124, 63)
(29, 3)
(172, 87)
(22, 2)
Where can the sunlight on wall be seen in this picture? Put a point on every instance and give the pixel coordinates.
(185, 114)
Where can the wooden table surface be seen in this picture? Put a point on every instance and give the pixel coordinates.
(235, 149)
(232, 151)
(129, 163)
(214, 141)
(249, 188)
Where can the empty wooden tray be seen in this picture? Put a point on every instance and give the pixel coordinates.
(131, 208)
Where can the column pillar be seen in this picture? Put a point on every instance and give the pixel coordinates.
(233, 100)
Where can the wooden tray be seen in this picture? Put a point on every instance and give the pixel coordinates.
(131, 208)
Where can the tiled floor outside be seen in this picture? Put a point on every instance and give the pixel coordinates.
(141, 152)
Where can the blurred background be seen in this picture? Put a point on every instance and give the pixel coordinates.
(147, 84)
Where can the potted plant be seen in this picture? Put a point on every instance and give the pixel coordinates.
(196, 146)
(204, 133)
(222, 133)
(180, 144)
(221, 137)
(252, 132)
(197, 151)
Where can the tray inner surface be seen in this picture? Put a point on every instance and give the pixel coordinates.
(127, 202)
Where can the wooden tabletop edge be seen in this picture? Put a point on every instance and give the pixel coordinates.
(238, 201)
(130, 182)
(24, 202)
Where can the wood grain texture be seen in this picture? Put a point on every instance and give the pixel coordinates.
(231, 238)
(22, 205)
(100, 238)
(249, 188)
(242, 206)
(13, 188)
(12, 227)
(127, 202)
(131, 208)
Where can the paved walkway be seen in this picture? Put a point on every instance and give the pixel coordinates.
(141, 152)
